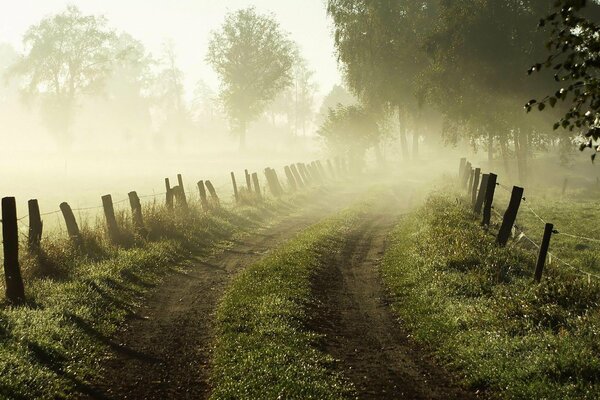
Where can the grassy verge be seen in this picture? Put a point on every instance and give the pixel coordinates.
(474, 304)
(263, 350)
(78, 295)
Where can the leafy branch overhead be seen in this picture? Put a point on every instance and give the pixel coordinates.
(574, 59)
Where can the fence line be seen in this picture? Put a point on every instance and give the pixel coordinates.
(463, 173)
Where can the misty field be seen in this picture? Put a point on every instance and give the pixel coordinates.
(300, 199)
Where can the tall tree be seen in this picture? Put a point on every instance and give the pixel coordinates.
(67, 55)
(254, 60)
(377, 43)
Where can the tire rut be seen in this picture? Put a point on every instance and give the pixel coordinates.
(361, 331)
(164, 350)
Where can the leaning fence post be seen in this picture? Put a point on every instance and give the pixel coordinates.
(471, 173)
(475, 186)
(169, 197)
(111, 221)
(461, 169)
(541, 261)
(136, 211)
(15, 290)
(35, 225)
(235, 189)
(70, 222)
(181, 193)
(466, 175)
(481, 194)
(271, 182)
(489, 199)
(256, 185)
(203, 198)
(248, 181)
(510, 215)
(213, 193)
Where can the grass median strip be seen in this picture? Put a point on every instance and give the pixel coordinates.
(476, 306)
(263, 349)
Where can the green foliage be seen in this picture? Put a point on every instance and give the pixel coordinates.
(254, 60)
(350, 131)
(263, 348)
(574, 53)
(67, 55)
(476, 306)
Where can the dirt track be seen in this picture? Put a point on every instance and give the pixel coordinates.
(362, 332)
(165, 347)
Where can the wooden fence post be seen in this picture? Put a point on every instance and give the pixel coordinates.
(297, 176)
(466, 175)
(481, 194)
(169, 197)
(277, 183)
(541, 261)
(248, 181)
(136, 211)
(475, 186)
(181, 193)
(290, 177)
(36, 225)
(15, 290)
(510, 215)
(235, 189)
(307, 174)
(213, 193)
(461, 169)
(111, 221)
(470, 181)
(271, 182)
(203, 197)
(70, 222)
(302, 174)
(256, 185)
(489, 199)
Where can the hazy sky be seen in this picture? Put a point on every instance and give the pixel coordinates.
(188, 23)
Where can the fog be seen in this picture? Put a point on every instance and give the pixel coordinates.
(106, 96)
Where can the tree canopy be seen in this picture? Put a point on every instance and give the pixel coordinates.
(254, 59)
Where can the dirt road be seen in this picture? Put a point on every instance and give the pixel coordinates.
(362, 332)
(165, 347)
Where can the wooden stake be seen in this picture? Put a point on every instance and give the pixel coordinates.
(111, 221)
(256, 185)
(481, 194)
(203, 197)
(70, 222)
(169, 197)
(475, 186)
(510, 216)
(541, 261)
(136, 211)
(181, 198)
(248, 181)
(15, 290)
(489, 199)
(35, 226)
(297, 176)
(235, 189)
(213, 194)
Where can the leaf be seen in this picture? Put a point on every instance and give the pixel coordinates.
(552, 101)
(541, 106)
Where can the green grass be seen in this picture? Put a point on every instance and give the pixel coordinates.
(78, 295)
(263, 348)
(475, 306)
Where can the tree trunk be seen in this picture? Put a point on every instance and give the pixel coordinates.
(403, 141)
(505, 156)
(521, 150)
